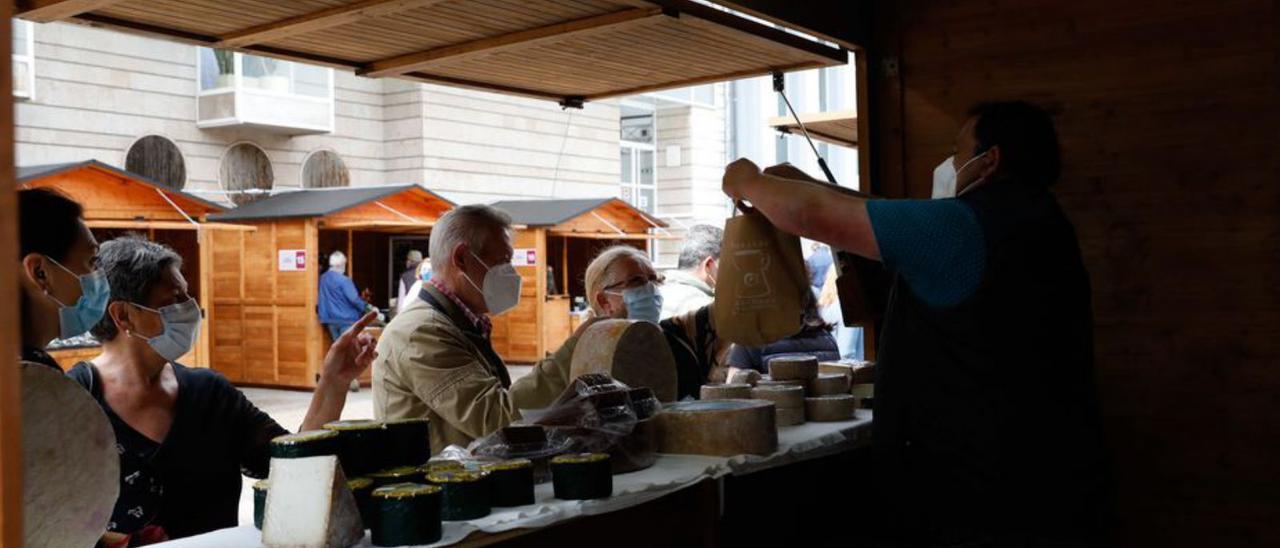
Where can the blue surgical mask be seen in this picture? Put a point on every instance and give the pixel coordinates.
(644, 302)
(181, 329)
(76, 319)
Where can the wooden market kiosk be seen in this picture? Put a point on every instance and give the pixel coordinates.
(554, 242)
(117, 202)
(265, 328)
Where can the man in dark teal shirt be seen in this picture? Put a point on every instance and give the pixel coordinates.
(986, 427)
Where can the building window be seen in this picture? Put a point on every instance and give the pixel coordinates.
(246, 174)
(325, 169)
(639, 163)
(158, 159)
(24, 60)
(262, 92)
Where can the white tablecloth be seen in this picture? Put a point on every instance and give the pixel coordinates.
(669, 474)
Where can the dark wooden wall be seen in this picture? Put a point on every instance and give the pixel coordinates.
(1168, 114)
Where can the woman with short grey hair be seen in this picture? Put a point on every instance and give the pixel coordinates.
(184, 435)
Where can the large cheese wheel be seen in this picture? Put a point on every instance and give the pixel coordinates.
(786, 397)
(634, 352)
(795, 367)
(859, 372)
(720, 427)
(767, 381)
(830, 408)
(827, 384)
(71, 470)
(726, 392)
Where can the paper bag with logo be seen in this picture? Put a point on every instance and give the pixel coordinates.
(762, 284)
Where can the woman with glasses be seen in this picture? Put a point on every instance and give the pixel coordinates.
(621, 283)
(184, 435)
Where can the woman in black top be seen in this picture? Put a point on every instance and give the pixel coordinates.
(62, 294)
(184, 435)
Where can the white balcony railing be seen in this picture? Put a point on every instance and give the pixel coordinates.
(237, 89)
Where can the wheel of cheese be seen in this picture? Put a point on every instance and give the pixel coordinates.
(861, 391)
(745, 376)
(726, 392)
(783, 397)
(71, 470)
(719, 428)
(830, 408)
(634, 352)
(827, 384)
(789, 368)
(766, 381)
(864, 373)
(790, 417)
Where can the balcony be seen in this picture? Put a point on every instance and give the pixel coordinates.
(248, 91)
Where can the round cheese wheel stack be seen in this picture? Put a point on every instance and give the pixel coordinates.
(788, 402)
(827, 384)
(71, 471)
(834, 408)
(793, 368)
(720, 428)
(634, 352)
(863, 392)
(726, 392)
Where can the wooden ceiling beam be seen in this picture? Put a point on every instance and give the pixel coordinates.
(319, 20)
(48, 11)
(579, 27)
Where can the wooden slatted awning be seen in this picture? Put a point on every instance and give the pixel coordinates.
(837, 128)
(563, 50)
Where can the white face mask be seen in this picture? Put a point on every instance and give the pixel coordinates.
(944, 177)
(181, 329)
(501, 289)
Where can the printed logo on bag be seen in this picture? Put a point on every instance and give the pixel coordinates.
(755, 293)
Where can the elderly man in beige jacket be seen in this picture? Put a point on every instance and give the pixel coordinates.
(435, 359)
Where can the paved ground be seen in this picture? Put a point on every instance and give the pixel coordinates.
(288, 407)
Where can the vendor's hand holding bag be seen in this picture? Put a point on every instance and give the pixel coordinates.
(762, 283)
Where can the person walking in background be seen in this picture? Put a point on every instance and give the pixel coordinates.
(340, 305)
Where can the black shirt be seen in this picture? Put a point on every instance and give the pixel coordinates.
(189, 483)
(36, 355)
(986, 419)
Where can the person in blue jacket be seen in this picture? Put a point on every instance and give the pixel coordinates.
(340, 303)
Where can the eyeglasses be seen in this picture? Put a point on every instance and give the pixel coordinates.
(634, 282)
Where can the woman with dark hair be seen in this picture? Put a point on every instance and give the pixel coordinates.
(184, 435)
(63, 294)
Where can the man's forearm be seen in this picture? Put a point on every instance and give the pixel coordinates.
(813, 210)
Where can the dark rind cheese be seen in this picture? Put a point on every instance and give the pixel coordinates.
(259, 501)
(830, 408)
(828, 384)
(511, 482)
(582, 476)
(408, 442)
(406, 514)
(465, 495)
(725, 392)
(362, 446)
(794, 367)
(440, 466)
(312, 443)
(399, 474)
(362, 489)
